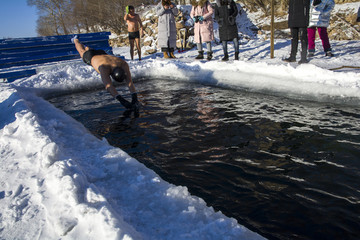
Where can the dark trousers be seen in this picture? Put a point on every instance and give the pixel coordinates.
(297, 33)
(236, 45)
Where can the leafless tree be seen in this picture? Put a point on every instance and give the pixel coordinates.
(265, 5)
(54, 11)
(74, 16)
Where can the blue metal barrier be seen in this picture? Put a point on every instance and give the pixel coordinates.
(17, 52)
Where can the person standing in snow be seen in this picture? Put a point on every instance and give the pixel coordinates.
(135, 30)
(201, 13)
(358, 15)
(109, 67)
(320, 11)
(225, 15)
(298, 21)
(167, 11)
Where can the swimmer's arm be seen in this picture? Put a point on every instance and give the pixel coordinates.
(141, 26)
(105, 77)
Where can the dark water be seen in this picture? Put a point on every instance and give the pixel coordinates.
(284, 168)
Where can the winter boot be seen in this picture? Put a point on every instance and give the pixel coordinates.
(236, 55)
(209, 55)
(303, 61)
(293, 52)
(225, 58)
(329, 54)
(311, 53)
(166, 55)
(201, 55)
(290, 59)
(303, 57)
(172, 55)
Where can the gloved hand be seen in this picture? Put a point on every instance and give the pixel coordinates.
(316, 2)
(73, 39)
(201, 18)
(231, 20)
(194, 19)
(127, 9)
(134, 101)
(124, 102)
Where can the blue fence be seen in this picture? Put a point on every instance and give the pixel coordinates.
(18, 52)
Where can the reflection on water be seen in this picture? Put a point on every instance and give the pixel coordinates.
(284, 168)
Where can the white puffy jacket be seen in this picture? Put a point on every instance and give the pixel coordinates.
(320, 14)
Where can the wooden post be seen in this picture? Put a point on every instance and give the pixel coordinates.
(272, 28)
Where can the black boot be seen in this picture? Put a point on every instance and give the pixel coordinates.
(329, 54)
(201, 55)
(304, 45)
(209, 55)
(290, 59)
(294, 45)
(311, 53)
(225, 58)
(303, 57)
(303, 60)
(236, 55)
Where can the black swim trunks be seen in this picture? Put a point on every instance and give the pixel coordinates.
(88, 55)
(134, 35)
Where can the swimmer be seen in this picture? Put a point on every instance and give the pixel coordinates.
(109, 67)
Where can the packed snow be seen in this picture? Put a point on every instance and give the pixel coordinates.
(58, 181)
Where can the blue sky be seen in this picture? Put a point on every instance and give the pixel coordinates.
(17, 19)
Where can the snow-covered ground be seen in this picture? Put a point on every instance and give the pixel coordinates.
(57, 181)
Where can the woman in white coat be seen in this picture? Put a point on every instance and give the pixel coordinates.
(167, 11)
(320, 11)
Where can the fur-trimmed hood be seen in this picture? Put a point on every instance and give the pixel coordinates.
(220, 3)
(200, 3)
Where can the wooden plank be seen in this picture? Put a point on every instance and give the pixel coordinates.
(51, 57)
(28, 45)
(15, 43)
(67, 37)
(12, 76)
(15, 57)
(12, 54)
(39, 50)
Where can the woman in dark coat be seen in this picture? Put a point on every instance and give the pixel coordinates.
(298, 22)
(225, 15)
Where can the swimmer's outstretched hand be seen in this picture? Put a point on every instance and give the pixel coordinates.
(124, 102)
(135, 102)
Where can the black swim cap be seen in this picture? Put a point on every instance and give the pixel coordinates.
(118, 74)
